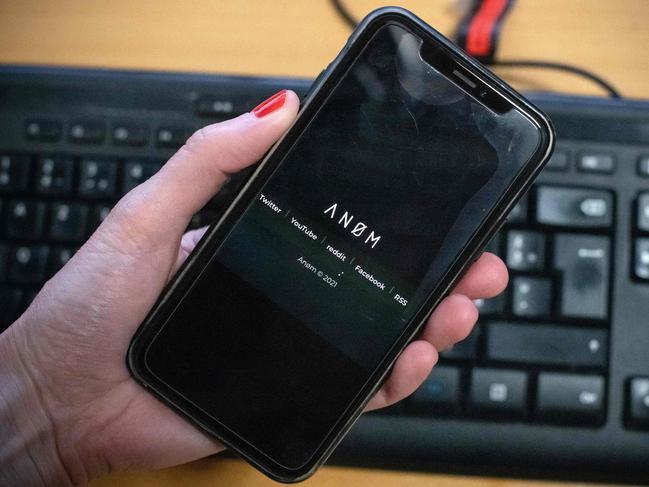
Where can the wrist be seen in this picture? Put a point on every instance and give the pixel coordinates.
(30, 453)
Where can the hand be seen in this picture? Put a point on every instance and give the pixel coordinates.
(64, 385)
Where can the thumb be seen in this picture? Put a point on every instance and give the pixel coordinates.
(196, 172)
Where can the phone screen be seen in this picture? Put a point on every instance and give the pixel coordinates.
(350, 234)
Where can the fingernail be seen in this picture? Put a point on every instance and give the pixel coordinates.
(270, 105)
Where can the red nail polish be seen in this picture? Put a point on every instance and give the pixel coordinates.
(267, 107)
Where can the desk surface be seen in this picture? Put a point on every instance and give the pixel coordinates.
(299, 37)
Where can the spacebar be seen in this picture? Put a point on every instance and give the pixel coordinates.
(547, 344)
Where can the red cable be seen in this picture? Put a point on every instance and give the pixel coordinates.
(478, 39)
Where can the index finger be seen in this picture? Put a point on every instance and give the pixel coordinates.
(486, 278)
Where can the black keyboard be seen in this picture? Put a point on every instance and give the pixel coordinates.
(554, 382)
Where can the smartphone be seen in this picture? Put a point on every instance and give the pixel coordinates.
(402, 164)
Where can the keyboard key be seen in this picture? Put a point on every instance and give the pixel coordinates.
(11, 304)
(43, 130)
(596, 162)
(501, 392)
(525, 250)
(130, 134)
(171, 136)
(585, 262)
(574, 207)
(531, 296)
(97, 178)
(570, 398)
(68, 221)
(440, 392)
(54, 175)
(97, 215)
(467, 349)
(547, 344)
(638, 402)
(28, 264)
(559, 161)
(87, 132)
(207, 106)
(643, 166)
(643, 212)
(25, 219)
(518, 213)
(14, 173)
(491, 306)
(136, 172)
(58, 258)
(641, 264)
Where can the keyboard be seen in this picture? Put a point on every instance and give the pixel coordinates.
(553, 382)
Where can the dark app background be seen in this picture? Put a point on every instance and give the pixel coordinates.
(280, 332)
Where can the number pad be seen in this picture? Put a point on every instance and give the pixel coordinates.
(97, 178)
(68, 221)
(641, 261)
(531, 296)
(28, 264)
(584, 261)
(565, 206)
(54, 175)
(567, 398)
(98, 215)
(500, 392)
(642, 221)
(136, 172)
(525, 250)
(25, 219)
(60, 257)
(14, 173)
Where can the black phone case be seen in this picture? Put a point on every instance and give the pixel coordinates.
(196, 262)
